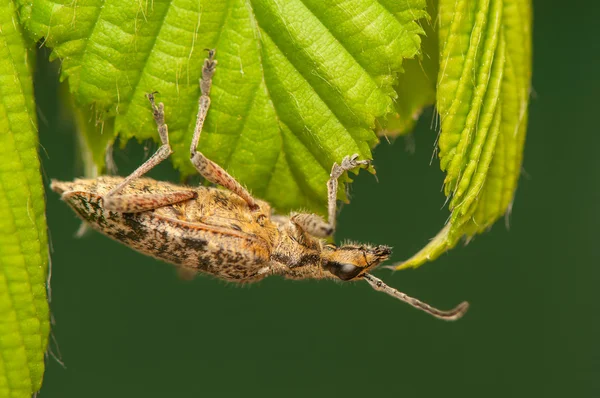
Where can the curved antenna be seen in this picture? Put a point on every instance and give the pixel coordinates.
(452, 315)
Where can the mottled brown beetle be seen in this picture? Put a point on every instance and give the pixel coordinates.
(225, 232)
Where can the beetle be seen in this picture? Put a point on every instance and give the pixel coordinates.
(225, 232)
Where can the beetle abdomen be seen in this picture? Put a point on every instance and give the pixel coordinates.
(226, 253)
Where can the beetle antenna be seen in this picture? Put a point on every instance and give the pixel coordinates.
(452, 315)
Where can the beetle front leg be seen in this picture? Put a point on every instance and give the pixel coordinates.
(314, 224)
(348, 163)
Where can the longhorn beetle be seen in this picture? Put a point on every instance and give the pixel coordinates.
(225, 232)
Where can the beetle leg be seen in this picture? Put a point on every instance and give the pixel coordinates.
(348, 163)
(279, 219)
(307, 222)
(161, 154)
(145, 202)
(314, 224)
(206, 167)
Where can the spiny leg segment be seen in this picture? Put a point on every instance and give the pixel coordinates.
(348, 163)
(146, 202)
(314, 224)
(206, 167)
(133, 203)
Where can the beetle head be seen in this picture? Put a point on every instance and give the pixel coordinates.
(350, 262)
(353, 262)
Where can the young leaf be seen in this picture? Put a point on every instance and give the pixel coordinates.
(298, 86)
(482, 97)
(24, 315)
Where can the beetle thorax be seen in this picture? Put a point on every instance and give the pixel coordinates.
(297, 254)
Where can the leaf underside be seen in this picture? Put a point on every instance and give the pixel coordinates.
(416, 86)
(24, 314)
(482, 98)
(299, 83)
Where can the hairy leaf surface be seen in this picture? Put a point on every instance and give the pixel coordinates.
(24, 315)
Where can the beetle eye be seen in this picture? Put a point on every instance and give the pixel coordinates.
(344, 271)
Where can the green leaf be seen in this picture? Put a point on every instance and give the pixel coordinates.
(24, 315)
(416, 86)
(482, 97)
(298, 86)
(95, 134)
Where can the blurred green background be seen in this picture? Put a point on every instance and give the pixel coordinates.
(127, 326)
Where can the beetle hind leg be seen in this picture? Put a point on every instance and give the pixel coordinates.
(146, 202)
(111, 199)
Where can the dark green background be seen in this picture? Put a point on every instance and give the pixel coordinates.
(127, 326)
